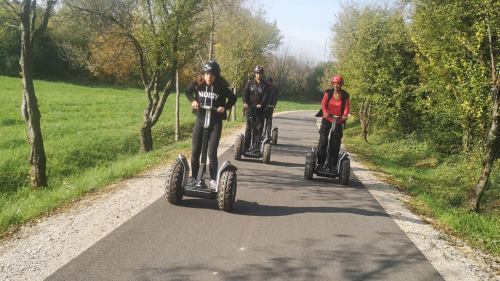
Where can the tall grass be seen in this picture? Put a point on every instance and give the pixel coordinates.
(91, 138)
(437, 183)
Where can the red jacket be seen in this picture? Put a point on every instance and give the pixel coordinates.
(334, 106)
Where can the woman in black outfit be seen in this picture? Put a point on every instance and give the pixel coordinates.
(210, 89)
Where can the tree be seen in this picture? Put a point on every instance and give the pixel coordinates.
(26, 13)
(374, 53)
(459, 56)
(281, 65)
(162, 32)
(243, 40)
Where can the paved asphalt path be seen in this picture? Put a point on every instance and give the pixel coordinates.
(282, 228)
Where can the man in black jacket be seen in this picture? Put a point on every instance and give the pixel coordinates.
(256, 94)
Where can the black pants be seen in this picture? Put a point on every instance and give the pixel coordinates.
(258, 114)
(268, 115)
(335, 142)
(214, 133)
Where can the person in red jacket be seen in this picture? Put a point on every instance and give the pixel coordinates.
(335, 102)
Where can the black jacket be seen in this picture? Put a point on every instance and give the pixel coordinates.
(273, 95)
(256, 93)
(216, 95)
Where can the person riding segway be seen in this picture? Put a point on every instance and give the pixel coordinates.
(334, 112)
(255, 96)
(212, 99)
(269, 130)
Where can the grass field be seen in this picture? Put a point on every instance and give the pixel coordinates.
(91, 138)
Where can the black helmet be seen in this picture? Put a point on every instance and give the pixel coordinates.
(212, 67)
(269, 79)
(259, 69)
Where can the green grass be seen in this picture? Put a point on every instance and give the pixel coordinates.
(437, 183)
(91, 138)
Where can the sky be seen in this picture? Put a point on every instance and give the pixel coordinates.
(305, 24)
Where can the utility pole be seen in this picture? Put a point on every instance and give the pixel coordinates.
(324, 54)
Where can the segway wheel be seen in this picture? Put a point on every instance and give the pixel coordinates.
(309, 168)
(227, 191)
(267, 154)
(345, 170)
(274, 137)
(174, 190)
(238, 147)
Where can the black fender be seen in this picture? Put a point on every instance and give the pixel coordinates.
(267, 139)
(183, 161)
(274, 128)
(242, 137)
(342, 157)
(314, 151)
(226, 166)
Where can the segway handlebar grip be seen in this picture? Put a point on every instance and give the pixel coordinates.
(335, 116)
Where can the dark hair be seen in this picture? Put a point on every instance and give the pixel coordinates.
(218, 80)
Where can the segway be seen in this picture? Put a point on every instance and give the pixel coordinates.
(274, 132)
(176, 185)
(254, 151)
(343, 165)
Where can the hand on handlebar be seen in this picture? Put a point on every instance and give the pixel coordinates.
(344, 118)
(245, 105)
(195, 105)
(221, 109)
(259, 106)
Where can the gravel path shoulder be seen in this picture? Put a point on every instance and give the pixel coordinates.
(38, 249)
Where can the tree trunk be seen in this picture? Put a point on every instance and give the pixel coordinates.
(146, 137)
(476, 192)
(364, 116)
(30, 111)
(212, 31)
(177, 105)
(233, 110)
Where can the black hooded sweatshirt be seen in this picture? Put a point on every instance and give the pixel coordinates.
(215, 96)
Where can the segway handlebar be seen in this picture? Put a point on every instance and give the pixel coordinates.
(334, 116)
(206, 107)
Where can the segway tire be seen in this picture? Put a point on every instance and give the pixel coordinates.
(267, 154)
(309, 168)
(174, 190)
(345, 170)
(227, 191)
(274, 137)
(238, 147)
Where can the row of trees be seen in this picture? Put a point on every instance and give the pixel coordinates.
(428, 68)
(153, 44)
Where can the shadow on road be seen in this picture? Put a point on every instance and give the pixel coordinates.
(246, 208)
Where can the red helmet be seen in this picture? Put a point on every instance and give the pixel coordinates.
(338, 79)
